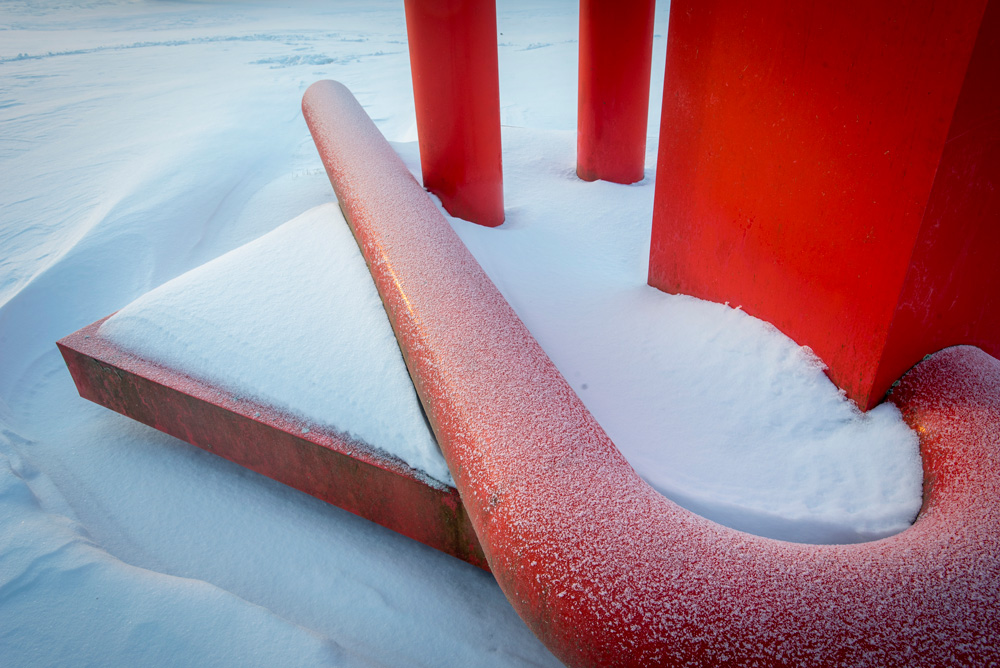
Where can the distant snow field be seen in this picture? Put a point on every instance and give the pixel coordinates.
(155, 163)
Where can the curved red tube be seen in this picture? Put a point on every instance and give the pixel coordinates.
(605, 570)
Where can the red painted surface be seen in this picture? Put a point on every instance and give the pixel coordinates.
(833, 169)
(606, 571)
(456, 89)
(616, 51)
(324, 463)
(951, 293)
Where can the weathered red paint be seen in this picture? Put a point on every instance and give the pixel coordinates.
(456, 89)
(324, 463)
(606, 571)
(616, 51)
(834, 169)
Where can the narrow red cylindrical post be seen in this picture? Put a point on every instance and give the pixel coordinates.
(456, 88)
(616, 51)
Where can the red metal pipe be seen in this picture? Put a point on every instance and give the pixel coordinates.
(605, 570)
(456, 90)
(616, 51)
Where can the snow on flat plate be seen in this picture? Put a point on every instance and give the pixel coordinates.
(292, 320)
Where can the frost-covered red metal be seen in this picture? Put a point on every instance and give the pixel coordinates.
(605, 570)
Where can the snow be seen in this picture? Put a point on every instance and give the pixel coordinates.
(142, 140)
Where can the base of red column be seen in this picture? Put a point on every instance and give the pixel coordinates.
(456, 92)
(616, 52)
(323, 463)
(835, 170)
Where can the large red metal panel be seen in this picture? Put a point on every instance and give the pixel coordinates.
(456, 89)
(322, 462)
(951, 293)
(799, 147)
(616, 51)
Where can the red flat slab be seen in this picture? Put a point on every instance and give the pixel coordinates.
(324, 463)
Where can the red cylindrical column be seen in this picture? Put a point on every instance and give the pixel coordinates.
(616, 51)
(456, 88)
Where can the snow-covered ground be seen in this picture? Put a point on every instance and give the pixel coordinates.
(140, 140)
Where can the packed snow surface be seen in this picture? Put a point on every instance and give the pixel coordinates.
(142, 140)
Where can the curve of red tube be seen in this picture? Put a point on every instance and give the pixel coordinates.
(605, 570)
